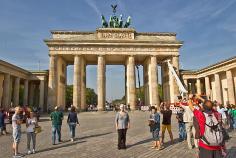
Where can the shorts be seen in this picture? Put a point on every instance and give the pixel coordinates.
(16, 134)
(155, 135)
(204, 153)
(164, 127)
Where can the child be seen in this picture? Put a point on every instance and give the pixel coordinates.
(31, 123)
(154, 123)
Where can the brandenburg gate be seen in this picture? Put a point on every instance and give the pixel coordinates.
(112, 46)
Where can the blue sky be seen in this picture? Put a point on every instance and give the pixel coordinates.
(207, 27)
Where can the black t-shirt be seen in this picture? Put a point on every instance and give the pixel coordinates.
(180, 117)
(166, 117)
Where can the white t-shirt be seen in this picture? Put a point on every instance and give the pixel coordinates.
(31, 123)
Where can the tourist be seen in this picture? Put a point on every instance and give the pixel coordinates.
(16, 133)
(188, 120)
(122, 123)
(31, 123)
(233, 115)
(72, 120)
(166, 122)
(211, 143)
(56, 117)
(2, 122)
(154, 123)
(182, 130)
(222, 111)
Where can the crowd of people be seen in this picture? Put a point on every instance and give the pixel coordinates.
(205, 122)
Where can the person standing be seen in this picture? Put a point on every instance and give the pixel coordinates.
(2, 124)
(154, 123)
(166, 122)
(211, 142)
(16, 126)
(56, 117)
(122, 123)
(182, 131)
(31, 123)
(72, 120)
(190, 130)
(233, 115)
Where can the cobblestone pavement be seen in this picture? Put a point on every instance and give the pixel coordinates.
(97, 138)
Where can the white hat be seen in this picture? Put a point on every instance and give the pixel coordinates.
(56, 107)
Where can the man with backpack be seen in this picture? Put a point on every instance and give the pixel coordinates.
(211, 142)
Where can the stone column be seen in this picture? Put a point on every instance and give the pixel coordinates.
(6, 91)
(153, 82)
(77, 82)
(52, 82)
(41, 94)
(218, 88)
(83, 84)
(193, 87)
(131, 87)
(31, 93)
(16, 91)
(1, 88)
(199, 86)
(231, 95)
(26, 89)
(101, 83)
(207, 86)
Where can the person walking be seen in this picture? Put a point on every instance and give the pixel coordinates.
(31, 123)
(211, 142)
(122, 123)
(16, 130)
(72, 120)
(56, 118)
(154, 123)
(182, 130)
(166, 122)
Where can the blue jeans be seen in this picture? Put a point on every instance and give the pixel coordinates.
(182, 131)
(72, 127)
(56, 129)
(234, 123)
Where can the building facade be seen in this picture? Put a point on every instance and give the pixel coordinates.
(33, 83)
(111, 46)
(216, 81)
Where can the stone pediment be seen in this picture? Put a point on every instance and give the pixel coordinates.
(114, 34)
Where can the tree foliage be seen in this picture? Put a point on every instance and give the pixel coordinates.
(91, 96)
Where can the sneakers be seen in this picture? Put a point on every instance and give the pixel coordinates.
(33, 151)
(29, 152)
(72, 139)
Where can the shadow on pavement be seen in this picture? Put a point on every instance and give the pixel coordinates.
(166, 144)
(231, 153)
(90, 136)
(58, 146)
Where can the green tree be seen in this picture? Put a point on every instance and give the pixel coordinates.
(91, 96)
(69, 95)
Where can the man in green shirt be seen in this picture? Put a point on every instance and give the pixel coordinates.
(56, 117)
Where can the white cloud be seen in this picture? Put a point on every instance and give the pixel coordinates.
(93, 5)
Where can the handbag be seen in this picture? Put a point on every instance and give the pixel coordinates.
(37, 129)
